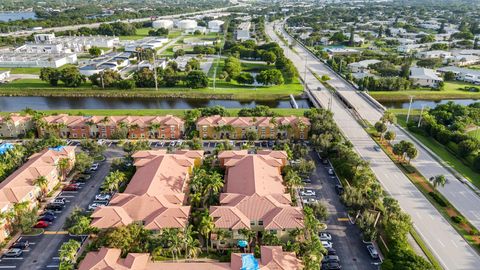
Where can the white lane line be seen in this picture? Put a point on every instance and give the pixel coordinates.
(8, 267)
(453, 243)
(17, 258)
(53, 266)
(55, 258)
(443, 245)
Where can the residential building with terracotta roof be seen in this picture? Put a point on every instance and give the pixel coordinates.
(254, 197)
(20, 185)
(272, 258)
(287, 127)
(15, 125)
(156, 195)
(107, 127)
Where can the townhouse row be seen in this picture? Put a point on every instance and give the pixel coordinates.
(254, 196)
(155, 127)
(23, 184)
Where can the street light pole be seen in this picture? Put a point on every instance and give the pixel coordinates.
(421, 114)
(409, 108)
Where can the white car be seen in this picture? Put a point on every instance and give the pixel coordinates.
(309, 201)
(179, 143)
(94, 206)
(327, 244)
(101, 142)
(94, 167)
(172, 144)
(331, 172)
(324, 236)
(102, 197)
(307, 192)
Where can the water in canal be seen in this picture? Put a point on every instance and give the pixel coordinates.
(12, 104)
(417, 104)
(18, 15)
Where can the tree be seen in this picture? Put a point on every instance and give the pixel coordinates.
(390, 136)
(245, 78)
(319, 210)
(468, 146)
(113, 181)
(196, 79)
(270, 77)
(427, 39)
(269, 57)
(292, 179)
(351, 41)
(206, 226)
(72, 77)
(144, 78)
(411, 152)
(42, 183)
(95, 51)
(50, 75)
(438, 180)
(178, 53)
(233, 66)
(193, 64)
(191, 244)
(78, 223)
(63, 166)
(388, 118)
(68, 253)
(106, 78)
(380, 127)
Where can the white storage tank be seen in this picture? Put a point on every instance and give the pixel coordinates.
(187, 24)
(167, 24)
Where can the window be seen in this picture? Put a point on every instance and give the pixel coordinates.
(252, 222)
(204, 128)
(133, 135)
(163, 136)
(142, 136)
(273, 231)
(260, 222)
(172, 136)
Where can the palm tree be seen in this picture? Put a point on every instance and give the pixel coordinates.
(42, 183)
(63, 165)
(154, 129)
(439, 180)
(206, 226)
(292, 180)
(68, 251)
(191, 244)
(249, 234)
(213, 186)
(113, 181)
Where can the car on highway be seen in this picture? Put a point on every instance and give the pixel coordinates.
(103, 197)
(47, 218)
(330, 259)
(54, 207)
(70, 187)
(21, 245)
(13, 252)
(373, 252)
(41, 224)
(339, 189)
(331, 266)
(307, 192)
(330, 171)
(327, 244)
(377, 148)
(325, 236)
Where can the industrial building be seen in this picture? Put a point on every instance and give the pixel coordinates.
(167, 24)
(21, 59)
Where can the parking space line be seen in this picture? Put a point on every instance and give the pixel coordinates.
(53, 266)
(17, 258)
(343, 219)
(7, 267)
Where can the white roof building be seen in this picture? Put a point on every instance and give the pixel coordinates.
(187, 24)
(424, 77)
(215, 25)
(362, 66)
(167, 24)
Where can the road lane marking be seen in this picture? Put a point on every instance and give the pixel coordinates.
(17, 258)
(343, 219)
(441, 242)
(453, 243)
(8, 267)
(53, 266)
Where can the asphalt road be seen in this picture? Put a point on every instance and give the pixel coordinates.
(43, 254)
(346, 237)
(452, 251)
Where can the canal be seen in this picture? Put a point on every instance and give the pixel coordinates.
(417, 104)
(13, 104)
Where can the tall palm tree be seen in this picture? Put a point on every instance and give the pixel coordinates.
(439, 180)
(213, 186)
(42, 183)
(206, 226)
(68, 251)
(154, 129)
(63, 165)
(191, 244)
(250, 235)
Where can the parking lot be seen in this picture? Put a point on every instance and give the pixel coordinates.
(346, 238)
(43, 250)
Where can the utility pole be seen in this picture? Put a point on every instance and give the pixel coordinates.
(421, 114)
(409, 108)
(155, 69)
(101, 78)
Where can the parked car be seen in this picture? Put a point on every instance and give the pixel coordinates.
(307, 180)
(330, 259)
(339, 189)
(102, 197)
(59, 201)
(70, 187)
(47, 218)
(271, 143)
(327, 244)
(325, 236)
(94, 167)
(309, 200)
(325, 161)
(330, 171)
(307, 192)
(54, 207)
(13, 252)
(48, 213)
(94, 206)
(83, 178)
(377, 148)
(373, 252)
(41, 224)
(332, 266)
(331, 251)
(172, 144)
(21, 245)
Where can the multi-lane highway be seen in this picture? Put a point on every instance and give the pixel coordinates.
(452, 251)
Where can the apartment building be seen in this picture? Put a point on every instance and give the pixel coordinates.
(15, 125)
(288, 127)
(254, 198)
(272, 257)
(157, 194)
(20, 185)
(132, 127)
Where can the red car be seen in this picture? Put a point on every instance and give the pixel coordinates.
(41, 224)
(71, 187)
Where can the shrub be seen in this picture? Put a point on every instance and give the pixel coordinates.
(456, 219)
(438, 199)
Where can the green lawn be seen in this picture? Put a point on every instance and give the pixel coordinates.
(439, 149)
(29, 70)
(140, 33)
(475, 133)
(175, 112)
(450, 91)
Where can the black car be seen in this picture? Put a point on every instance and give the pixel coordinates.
(47, 218)
(83, 178)
(21, 245)
(54, 207)
(331, 251)
(331, 266)
(339, 189)
(48, 213)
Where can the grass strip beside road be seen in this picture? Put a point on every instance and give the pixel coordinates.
(435, 263)
(147, 112)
